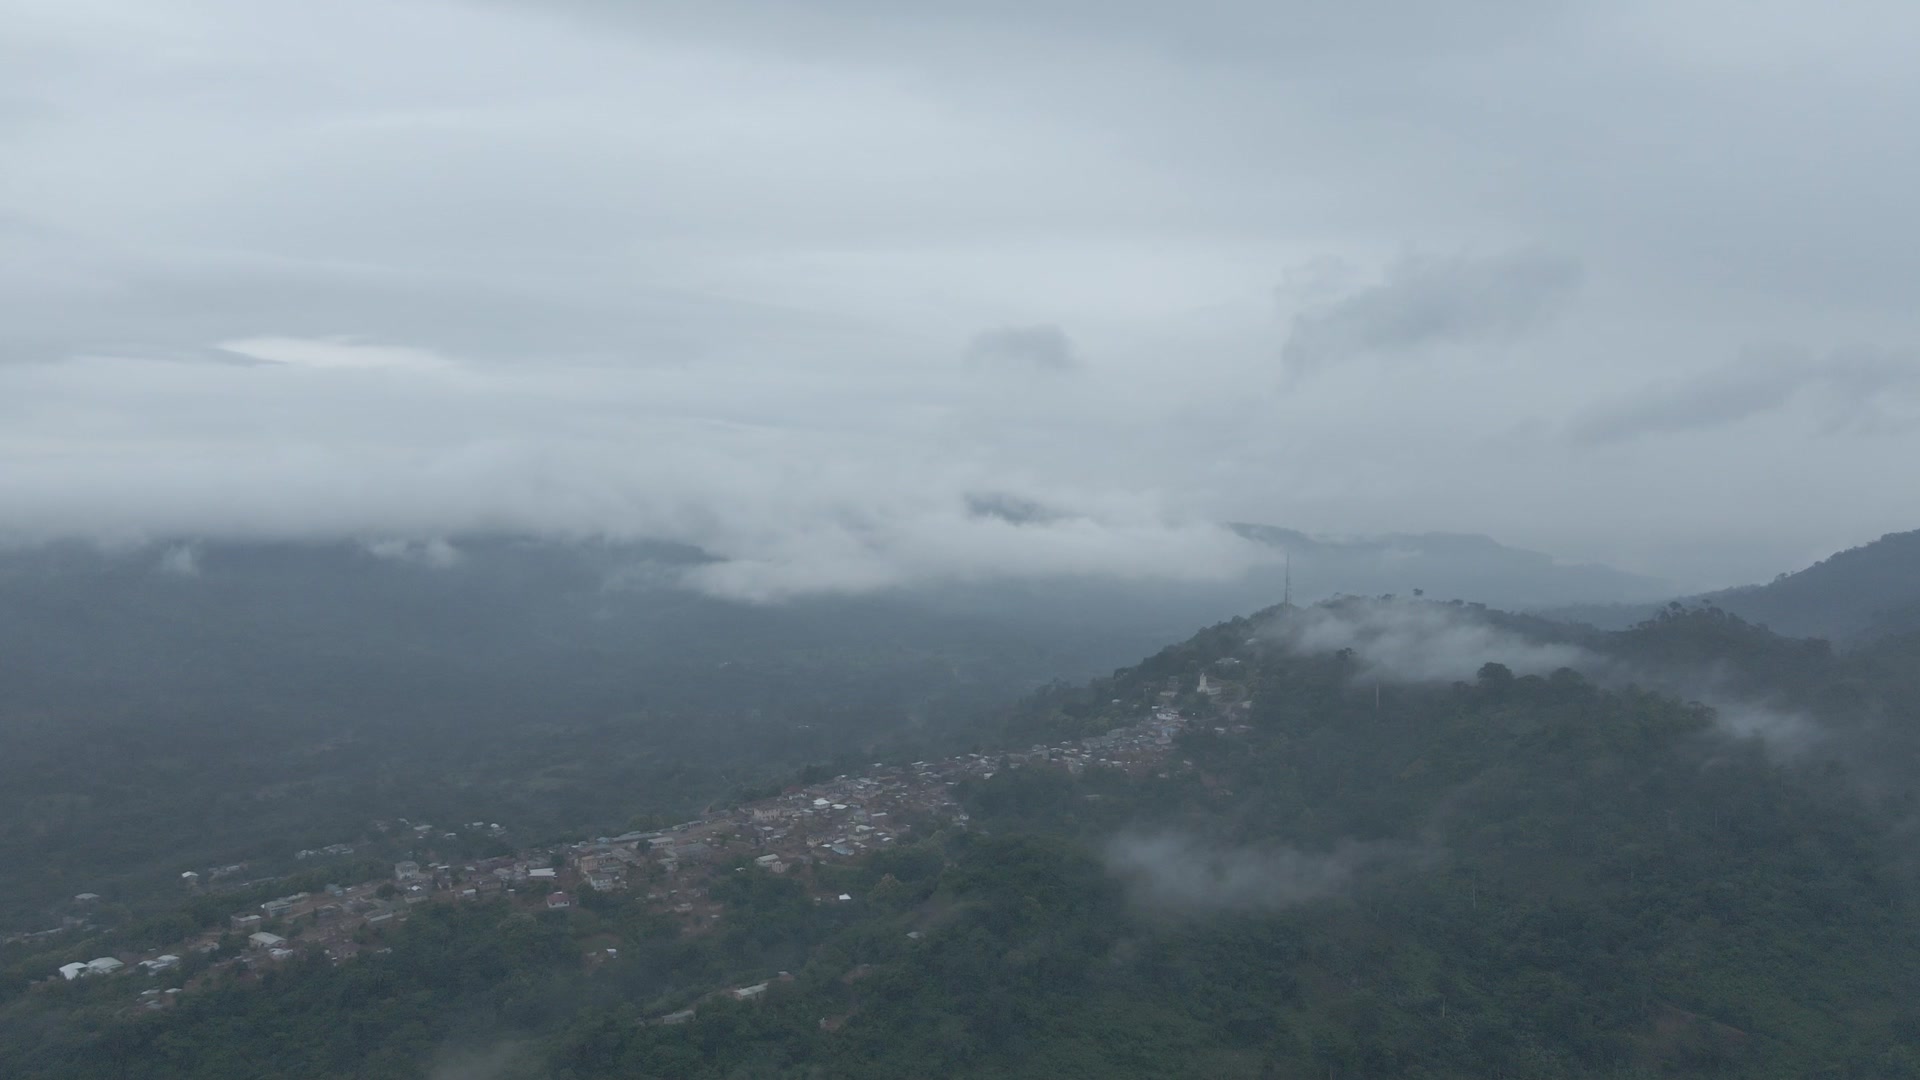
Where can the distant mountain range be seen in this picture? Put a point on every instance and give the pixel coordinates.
(1864, 593)
(614, 615)
(501, 621)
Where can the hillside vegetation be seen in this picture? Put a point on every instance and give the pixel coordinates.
(1336, 871)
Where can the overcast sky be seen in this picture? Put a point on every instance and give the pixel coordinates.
(1630, 281)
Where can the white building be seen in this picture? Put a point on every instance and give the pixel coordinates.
(72, 971)
(105, 965)
(264, 940)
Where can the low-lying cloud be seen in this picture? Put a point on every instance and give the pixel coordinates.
(1177, 871)
(1420, 642)
(948, 544)
(1402, 641)
(792, 483)
(180, 561)
(1787, 733)
(436, 553)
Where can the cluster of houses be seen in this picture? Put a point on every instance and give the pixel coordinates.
(105, 965)
(839, 819)
(108, 965)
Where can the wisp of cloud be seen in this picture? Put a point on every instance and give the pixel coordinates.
(1420, 642)
(1175, 871)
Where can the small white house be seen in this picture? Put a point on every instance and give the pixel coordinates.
(72, 971)
(105, 965)
(264, 940)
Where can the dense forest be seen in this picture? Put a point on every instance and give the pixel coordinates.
(1339, 871)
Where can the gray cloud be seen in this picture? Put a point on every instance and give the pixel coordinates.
(1425, 302)
(1845, 389)
(747, 239)
(403, 446)
(1009, 508)
(1031, 348)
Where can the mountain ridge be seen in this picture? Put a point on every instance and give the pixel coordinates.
(1851, 597)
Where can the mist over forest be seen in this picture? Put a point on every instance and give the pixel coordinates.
(851, 541)
(284, 714)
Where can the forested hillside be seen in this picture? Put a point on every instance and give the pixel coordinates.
(1337, 869)
(1863, 592)
(842, 540)
(1852, 597)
